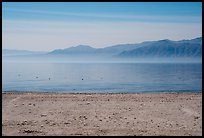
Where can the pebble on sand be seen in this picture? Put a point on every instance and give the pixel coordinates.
(43, 115)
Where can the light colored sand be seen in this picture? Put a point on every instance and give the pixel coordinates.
(102, 114)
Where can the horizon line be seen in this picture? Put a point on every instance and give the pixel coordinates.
(102, 47)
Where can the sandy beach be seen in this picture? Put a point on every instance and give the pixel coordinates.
(101, 114)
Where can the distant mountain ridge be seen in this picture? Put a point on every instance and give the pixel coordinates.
(161, 48)
(80, 49)
(167, 48)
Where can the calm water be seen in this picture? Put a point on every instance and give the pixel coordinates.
(102, 77)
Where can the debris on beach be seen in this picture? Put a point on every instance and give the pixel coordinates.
(42, 115)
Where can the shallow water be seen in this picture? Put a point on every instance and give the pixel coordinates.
(102, 77)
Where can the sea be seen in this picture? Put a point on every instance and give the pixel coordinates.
(102, 77)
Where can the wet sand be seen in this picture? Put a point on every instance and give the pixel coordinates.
(101, 114)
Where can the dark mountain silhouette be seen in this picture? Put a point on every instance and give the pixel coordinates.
(167, 48)
(160, 49)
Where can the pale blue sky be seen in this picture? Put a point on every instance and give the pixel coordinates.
(47, 26)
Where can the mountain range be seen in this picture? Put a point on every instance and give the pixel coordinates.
(167, 48)
(148, 49)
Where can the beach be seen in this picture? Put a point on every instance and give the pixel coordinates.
(136, 114)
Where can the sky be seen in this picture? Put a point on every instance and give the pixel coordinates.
(45, 26)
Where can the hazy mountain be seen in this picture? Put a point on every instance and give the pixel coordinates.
(107, 51)
(80, 49)
(192, 41)
(167, 48)
(90, 51)
(116, 49)
(160, 49)
(12, 52)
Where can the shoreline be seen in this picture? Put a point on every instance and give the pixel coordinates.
(102, 92)
(141, 113)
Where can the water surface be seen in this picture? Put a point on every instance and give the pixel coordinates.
(102, 77)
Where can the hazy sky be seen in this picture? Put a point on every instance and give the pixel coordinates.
(47, 26)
